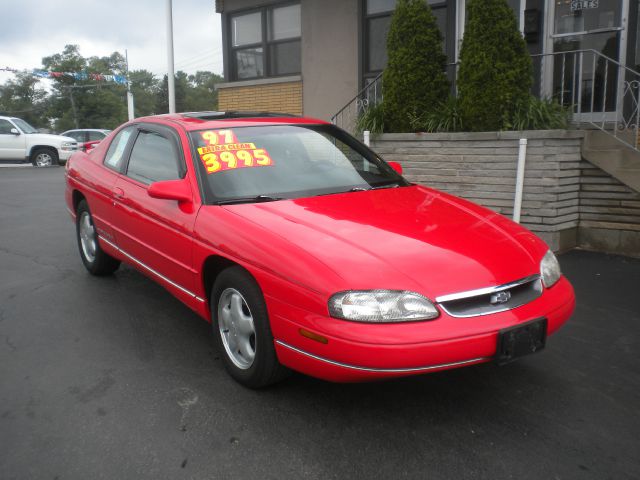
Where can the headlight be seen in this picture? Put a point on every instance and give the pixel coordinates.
(549, 269)
(68, 146)
(381, 306)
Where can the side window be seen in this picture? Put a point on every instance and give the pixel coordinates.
(77, 136)
(153, 159)
(5, 127)
(113, 159)
(95, 136)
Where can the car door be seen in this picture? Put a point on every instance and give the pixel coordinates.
(12, 146)
(155, 233)
(100, 181)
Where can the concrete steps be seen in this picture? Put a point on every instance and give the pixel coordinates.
(615, 158)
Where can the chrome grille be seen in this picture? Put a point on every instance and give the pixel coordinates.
(485, 301)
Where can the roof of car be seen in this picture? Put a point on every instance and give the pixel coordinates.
(203, 120)
(88, 130)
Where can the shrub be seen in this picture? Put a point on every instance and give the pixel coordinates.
(540, 114)
(495, 72)
(372, 119)
(445, 118)
(414, 80)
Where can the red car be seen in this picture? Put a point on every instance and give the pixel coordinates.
(308, 252)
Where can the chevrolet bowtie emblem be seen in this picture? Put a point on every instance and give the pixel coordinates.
(500, 297)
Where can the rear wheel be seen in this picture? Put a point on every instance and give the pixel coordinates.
(241, 330)
(96, 261)
(44, 157)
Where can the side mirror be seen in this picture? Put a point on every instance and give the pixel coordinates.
(15, 131)
(396, 166)
(178, 190)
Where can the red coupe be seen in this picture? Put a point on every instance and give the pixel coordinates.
(308, 252)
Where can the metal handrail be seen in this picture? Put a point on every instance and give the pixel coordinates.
(601, 92)
(589, 50)
(358, 95)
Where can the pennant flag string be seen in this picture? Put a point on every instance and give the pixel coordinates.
(99, 77)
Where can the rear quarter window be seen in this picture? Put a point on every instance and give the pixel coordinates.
(115, 154)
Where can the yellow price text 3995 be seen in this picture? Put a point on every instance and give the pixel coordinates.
(230, 160)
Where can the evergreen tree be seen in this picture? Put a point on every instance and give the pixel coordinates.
(414, 79)
(495, 73)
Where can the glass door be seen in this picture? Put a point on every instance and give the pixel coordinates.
(588, 41)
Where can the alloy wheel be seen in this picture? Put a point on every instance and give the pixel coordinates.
(237, 329)
(87, 237)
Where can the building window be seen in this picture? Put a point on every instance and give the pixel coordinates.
(265, 42)
(377, 19)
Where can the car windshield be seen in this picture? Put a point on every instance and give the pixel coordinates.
(265, 163)
(24, 126)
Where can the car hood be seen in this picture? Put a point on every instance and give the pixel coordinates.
(409, 238)
(46, 137)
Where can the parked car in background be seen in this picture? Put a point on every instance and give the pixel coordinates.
(20, 142)
(87, 138)
(309, 252)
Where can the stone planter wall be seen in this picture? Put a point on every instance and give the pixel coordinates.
(561, 191)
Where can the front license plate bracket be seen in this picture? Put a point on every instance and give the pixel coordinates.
(520, 340)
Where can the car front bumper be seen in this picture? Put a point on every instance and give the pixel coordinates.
(360, 352)
(63, 155)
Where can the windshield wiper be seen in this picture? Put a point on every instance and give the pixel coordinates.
(256, 199)
(391, 185)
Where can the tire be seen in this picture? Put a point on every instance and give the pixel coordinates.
(95, 260)
(44, 157)
(243, 333)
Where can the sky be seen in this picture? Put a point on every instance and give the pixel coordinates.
(33, 29)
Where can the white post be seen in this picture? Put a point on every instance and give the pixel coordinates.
(130, 110)
(130, 105)
(170, 75)
(367, 138)
(522, 157)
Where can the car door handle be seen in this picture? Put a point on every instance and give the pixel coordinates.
(118, 193)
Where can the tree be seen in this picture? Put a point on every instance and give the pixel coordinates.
(414, 80)
(145, 87)
(495, 73)
(181, 85)
(86, 103)
(23, 98)
(202, 94)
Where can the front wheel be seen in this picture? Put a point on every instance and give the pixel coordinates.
(95, 260)
(241, 330)
(44, 157)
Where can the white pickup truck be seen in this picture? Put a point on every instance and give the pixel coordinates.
(19, 141)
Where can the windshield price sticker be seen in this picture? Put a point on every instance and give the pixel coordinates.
(224, 152)
(219, 160)
(219, 137)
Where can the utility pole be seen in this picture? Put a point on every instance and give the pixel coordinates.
(170, 75)
(129, 94)
(74, 110)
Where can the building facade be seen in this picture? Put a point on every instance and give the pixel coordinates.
(312, 57)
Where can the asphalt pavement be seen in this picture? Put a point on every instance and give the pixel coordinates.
(113, 378)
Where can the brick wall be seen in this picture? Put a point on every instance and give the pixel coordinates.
(562, 193)
(276, 97)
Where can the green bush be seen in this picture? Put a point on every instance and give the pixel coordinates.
(537, 114)
(495, 72)
(372, 119)
(445, 118)
(414, 80)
